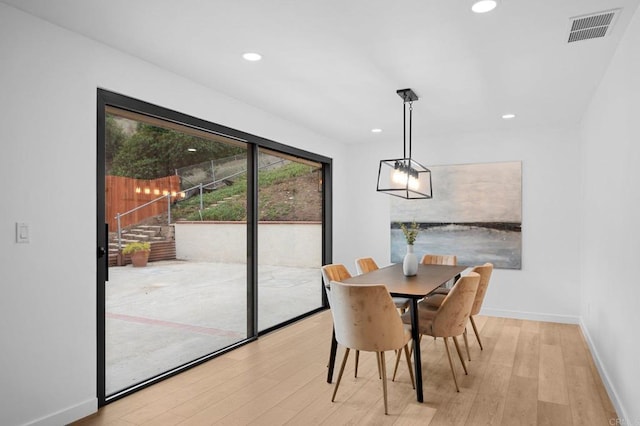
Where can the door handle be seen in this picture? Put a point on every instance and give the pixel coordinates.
(104, 253)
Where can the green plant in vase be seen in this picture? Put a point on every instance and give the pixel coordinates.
(410, 261)
(410, 233)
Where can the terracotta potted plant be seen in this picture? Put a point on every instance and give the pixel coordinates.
(139, 252)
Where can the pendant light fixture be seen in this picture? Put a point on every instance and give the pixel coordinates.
(404, 177)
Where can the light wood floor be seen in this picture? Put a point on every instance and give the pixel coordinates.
(530, 373)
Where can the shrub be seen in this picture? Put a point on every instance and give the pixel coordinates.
(136, 247)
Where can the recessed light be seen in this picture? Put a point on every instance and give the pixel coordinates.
(484, 6)
(508, 116)
(252, 56)
(376, 130)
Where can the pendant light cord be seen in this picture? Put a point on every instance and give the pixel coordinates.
(404, 119)
(404, 126)
(410, 127)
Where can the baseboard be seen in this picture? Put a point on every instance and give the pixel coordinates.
(533, 316)
(622, 413)
(68, 415)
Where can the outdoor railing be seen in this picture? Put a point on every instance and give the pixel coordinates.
(120, 215)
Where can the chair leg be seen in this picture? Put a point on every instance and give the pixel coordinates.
(408, 356)
(410, 349)
(344, 362)
(383, 367)
(446, 345)
(407, 352)
(357, 359)
(379, 366)
(395, 368)
(475, 330)
(466, 343)
(464, 367)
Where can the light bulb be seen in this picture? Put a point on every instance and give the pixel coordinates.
(399, 177)
(414, 184)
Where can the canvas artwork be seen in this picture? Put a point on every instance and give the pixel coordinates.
(475, 214)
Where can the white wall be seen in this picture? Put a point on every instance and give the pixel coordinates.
(610, 233)
(48, 82)
(548, 286)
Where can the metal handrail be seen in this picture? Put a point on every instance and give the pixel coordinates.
(201, 186)
(120, 215)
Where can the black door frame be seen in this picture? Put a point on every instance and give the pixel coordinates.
(110, 99)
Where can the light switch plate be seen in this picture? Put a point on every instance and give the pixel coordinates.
(22, 233)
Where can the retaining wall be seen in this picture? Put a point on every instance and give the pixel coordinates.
(296, 244)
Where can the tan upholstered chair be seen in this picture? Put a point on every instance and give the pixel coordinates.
(336, 272)
(367, 264)
(485, 272)
(439, 259)
(365, 318)
(450, 318)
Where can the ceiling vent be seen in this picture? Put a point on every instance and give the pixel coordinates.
(595, 25)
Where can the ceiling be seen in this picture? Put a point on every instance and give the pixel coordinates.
(334, 66)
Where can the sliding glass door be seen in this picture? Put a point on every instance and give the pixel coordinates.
(290, 193)
(234, 229)
(180, 195)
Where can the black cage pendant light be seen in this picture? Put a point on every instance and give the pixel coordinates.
(404, 177)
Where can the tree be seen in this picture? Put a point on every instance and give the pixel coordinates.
(114, 139)
(154, 152)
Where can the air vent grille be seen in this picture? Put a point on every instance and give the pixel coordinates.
(591, 26)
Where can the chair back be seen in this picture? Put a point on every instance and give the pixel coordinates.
(333, 272)
(453, 314)
(365, 318)
(485, 275)
(439, 259)
(365, 264)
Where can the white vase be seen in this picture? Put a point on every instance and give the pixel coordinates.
(410, 262)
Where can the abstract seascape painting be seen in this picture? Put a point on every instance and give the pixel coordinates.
(475, 214)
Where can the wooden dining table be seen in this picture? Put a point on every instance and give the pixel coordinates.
(428, 278)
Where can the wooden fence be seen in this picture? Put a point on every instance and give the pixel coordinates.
(124, 194)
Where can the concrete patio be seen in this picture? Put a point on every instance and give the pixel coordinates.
(171, 312)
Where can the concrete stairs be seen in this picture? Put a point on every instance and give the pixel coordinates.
(158, 235)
